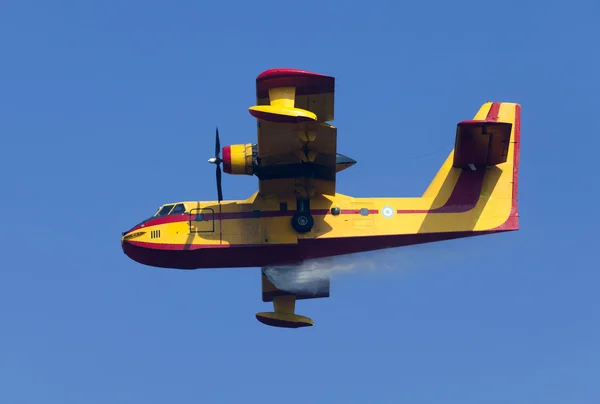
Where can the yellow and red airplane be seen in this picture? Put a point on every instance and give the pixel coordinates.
(297, 213)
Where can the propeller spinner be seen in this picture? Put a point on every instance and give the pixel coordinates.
(217, 161)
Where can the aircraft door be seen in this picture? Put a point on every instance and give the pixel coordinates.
(202, 221)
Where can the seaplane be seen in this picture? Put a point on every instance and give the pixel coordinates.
(297, 214)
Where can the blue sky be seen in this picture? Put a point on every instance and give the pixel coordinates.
(108, 111)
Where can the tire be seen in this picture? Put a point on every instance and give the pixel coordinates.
(302, 222)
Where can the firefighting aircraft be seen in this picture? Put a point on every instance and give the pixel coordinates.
(297, 214)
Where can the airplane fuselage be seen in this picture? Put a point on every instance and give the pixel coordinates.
(257, 232)
(464, 199)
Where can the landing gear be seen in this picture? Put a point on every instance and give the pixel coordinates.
(303, 221)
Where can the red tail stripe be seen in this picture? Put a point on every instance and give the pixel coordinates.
(464, 196)
(492, 114)
(512, 223)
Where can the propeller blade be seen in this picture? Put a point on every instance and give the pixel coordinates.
(219, 189)
(217, 144)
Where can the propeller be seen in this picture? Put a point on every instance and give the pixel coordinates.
(217, 161)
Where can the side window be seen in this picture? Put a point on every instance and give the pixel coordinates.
(178, 209)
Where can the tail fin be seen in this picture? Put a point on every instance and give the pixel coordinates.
(479, 179)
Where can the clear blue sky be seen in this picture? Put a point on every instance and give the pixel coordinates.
(108, 111)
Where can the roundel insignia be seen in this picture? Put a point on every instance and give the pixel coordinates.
(387, 211)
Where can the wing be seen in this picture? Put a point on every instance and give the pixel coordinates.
(296, 147)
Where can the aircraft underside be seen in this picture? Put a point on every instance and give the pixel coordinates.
(225, 256)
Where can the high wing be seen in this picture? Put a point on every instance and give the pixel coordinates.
(296, 147)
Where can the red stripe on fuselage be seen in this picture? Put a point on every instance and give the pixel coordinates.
(184, 217)
(463, 198)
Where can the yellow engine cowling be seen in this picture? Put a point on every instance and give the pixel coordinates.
(238, 159)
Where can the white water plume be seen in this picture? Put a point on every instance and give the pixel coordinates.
(312, 275)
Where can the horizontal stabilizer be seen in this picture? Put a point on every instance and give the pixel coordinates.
(481, 143)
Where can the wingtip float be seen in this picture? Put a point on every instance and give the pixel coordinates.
(296, 214)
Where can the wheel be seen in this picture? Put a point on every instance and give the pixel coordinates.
(302, 222)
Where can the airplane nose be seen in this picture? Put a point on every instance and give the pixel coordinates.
(125, 236)
(124, 243)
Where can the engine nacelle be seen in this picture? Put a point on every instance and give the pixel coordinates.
(239, 159)
(242, 159)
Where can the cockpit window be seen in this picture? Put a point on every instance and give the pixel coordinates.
(179, 208)
(168, 210)
(164, 211)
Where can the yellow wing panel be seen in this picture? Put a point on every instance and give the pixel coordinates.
(280, 143)
(296, 148)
